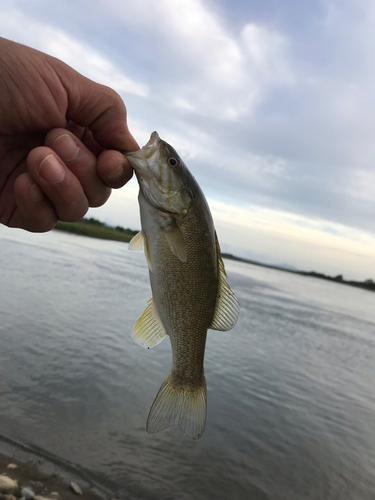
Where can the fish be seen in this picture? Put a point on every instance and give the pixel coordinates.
(190, 291)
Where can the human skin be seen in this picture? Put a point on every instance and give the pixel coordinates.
(60, 136)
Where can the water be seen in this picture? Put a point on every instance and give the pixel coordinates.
(291, 400)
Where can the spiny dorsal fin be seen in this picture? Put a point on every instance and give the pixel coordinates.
(227, 309)
(176, 242)
(148, 330)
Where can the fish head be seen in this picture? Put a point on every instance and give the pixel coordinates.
(162, 176)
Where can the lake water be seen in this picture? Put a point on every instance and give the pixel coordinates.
(291, 390)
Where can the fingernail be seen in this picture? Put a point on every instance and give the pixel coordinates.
(35, 193)
(116, 174)
(66, 147)
(51, 169)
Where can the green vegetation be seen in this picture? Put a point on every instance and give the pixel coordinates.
(96, 229)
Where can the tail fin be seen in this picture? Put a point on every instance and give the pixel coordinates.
(180, 405)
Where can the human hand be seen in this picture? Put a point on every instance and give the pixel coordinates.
(54, 127)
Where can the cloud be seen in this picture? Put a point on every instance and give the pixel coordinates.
(79, 55)
(205, 68)
(269, 109)
(277, 237)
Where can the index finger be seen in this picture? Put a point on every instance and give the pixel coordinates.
(97, 107)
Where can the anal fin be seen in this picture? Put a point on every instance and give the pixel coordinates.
(148, 330)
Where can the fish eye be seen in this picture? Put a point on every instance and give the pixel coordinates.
(173, 162)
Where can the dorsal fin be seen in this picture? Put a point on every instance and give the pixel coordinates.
(227, 309)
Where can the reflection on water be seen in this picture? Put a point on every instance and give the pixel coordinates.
(291, 401)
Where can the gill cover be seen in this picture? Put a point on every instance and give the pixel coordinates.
(162, 176)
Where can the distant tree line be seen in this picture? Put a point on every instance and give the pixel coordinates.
(96, 222)
(368, 284)
(97, 229)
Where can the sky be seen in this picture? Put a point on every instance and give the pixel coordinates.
(271, 104)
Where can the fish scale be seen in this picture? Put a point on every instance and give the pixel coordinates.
(186, 314)
(190, 293)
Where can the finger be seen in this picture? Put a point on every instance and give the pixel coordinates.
(97, 107)
(114, 169)
(112, 166)
(58, 184)
(34, 211)
(90, 143)
(86, 137)
(75, 129)
(81, 162)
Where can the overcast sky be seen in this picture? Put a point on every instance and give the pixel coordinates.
(271, 104)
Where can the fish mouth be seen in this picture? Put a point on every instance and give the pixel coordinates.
(152, 145)
(148, 149)
(139, 160)
(153, 138)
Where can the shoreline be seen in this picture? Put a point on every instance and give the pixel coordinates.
(94, 228)
(369, 286)
(48, 486)
(47, 477)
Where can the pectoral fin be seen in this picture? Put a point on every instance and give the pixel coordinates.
(148, 330)
(137, 243)
(227, 309)
(147, 253)
(176, 242)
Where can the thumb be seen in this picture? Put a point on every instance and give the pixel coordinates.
(99, 108)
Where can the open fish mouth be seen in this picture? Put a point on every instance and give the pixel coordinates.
(148, 149)
(153, 138)
(152, 146)
(139, 160)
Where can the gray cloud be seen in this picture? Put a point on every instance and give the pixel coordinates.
(272, 107)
